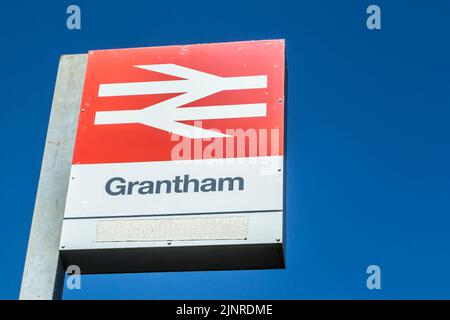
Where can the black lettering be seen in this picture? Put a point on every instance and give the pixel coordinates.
(146, 187)
(231, 183)
(131, 185)
(161, 182)
(177, 181)
(208, 184)
(187, 181)
(119, 189)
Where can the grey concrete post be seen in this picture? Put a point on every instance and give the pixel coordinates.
(43, 275)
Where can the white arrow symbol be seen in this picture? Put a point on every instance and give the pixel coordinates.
(166, 114)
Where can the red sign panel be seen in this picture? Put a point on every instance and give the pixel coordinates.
(135, 100)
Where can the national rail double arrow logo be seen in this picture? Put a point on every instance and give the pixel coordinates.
(167, 114)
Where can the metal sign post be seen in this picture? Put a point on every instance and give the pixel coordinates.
(43, 274)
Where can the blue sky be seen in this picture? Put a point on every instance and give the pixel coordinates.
(368, 139)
